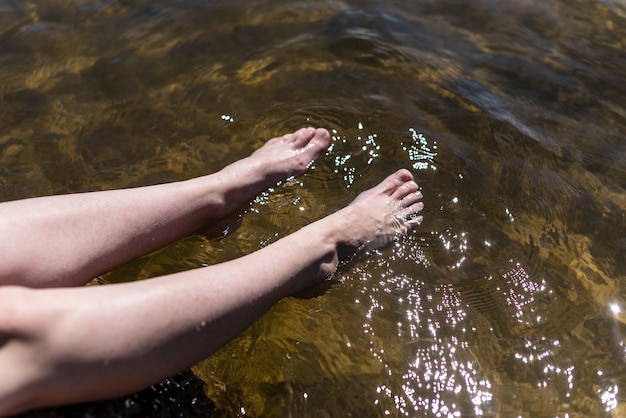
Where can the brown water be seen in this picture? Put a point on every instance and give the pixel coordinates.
(508, 301)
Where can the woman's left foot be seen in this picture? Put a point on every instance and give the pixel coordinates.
(278, 159)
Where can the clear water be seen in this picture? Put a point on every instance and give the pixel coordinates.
(509, 300)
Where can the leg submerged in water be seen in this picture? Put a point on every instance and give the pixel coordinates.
(77, 344)
(88, 234)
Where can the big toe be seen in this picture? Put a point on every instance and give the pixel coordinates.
(403, 175)
(396, 180)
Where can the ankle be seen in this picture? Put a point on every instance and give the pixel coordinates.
(207, 193)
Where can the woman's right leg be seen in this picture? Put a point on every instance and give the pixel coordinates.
(68, 345)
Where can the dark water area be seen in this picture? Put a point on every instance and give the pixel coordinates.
(509, 299)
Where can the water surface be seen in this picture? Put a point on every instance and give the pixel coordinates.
(508, 301)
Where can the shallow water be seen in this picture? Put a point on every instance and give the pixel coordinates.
(508, 301)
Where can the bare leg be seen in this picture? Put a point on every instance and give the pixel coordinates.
(68, 345)
(67, 240)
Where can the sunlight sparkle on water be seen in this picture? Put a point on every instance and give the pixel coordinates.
(609, 398)
(420, 152)
(443, 369)
(455, 243)
(349, 159)
(509, 214)
(520, 291)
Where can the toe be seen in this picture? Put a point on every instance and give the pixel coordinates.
(410, 199)
(395, 181)
(405, 190)
(411, 205)
(413, 209)
(302, 137)
(415, 221)
(321, 138)
(403, 175)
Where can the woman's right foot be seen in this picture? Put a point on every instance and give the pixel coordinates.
(381, 214)
(375, 218)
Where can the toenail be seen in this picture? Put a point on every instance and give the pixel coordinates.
(406, 174)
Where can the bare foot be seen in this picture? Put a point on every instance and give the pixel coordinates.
(380, 215)
(290, 155)
(375, 218)
(277, 160)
